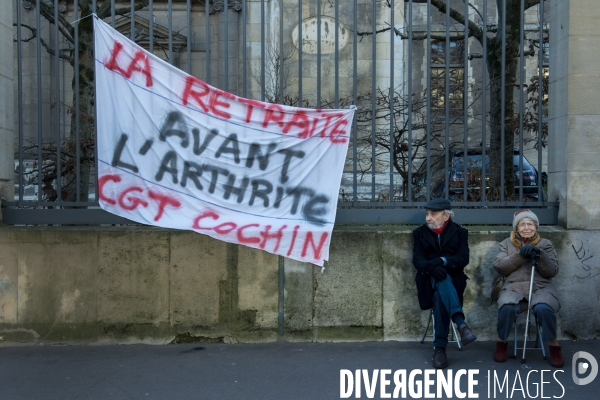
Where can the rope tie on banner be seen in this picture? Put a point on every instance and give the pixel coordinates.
(89, 15)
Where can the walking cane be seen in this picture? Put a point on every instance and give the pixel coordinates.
(534, 258)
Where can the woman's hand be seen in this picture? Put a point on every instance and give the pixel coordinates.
(530, 251)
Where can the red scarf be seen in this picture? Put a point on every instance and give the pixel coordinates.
(439, 230)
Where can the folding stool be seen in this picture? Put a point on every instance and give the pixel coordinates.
(538, 340)
(453, 334)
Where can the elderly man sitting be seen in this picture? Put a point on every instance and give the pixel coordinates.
(440, 254)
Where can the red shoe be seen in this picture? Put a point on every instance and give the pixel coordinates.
(500, 354)
(556, 358)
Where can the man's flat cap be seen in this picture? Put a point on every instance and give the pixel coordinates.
(438, 204)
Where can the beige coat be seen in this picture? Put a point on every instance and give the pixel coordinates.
(517, 269)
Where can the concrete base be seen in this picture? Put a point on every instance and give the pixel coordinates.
(148, 285)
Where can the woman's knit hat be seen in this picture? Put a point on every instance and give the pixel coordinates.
(525, 214)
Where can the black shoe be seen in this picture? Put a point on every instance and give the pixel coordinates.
(466, 336)
(439, 358)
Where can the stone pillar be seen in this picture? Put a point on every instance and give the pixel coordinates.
(6, 103)
(574, 124)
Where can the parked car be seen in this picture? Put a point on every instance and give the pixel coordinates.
(474, 160)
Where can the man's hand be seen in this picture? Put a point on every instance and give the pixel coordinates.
(433, 264)
(439, 274)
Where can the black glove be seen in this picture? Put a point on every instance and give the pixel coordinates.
(439, 274)
(530, 251)
(433, 264)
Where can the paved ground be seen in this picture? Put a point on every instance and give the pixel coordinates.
(270, 371)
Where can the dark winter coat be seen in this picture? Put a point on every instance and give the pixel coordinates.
(452, 243)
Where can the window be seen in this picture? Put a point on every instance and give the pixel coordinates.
(455, 72)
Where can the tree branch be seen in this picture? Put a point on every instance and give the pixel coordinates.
(47, 11)
(474, 30)
(61, 52)
(33, 33)
(477, 11)
(404, 36)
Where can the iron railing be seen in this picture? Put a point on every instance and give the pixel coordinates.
(465, 135)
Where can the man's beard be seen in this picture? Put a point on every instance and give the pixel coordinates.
(433, 226)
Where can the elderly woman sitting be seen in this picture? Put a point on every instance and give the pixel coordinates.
(514, 262)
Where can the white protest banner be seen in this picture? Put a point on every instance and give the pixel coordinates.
(178, 153)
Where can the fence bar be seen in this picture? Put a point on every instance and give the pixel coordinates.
(459, 205)
(447, 103)
(207, 49)
(131, 20)
(391, 96)
(355, 101)
(77, 112)
(96, 194)
(170, 24)
(540, 98)
(244, 52)
(188, 43)
(428, 103)
(502, 101)
(410, 103)
(20, 99)
(484, 105)
(301, 53)
(39, 104)
(373, 98)
(151, 26)
(281, 55)
(263, 80)
(466, 105)
(521, 96)
(57, 81)
(319, 53)
(337, 54)
(281, 297)
(411, 216)
(226, 47)
(112, 13)
(344, 216)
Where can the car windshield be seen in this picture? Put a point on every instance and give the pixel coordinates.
(526, 164)
(473, 161)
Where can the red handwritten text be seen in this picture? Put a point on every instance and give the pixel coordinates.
(133, 197)
(262, 235)
(134, 66)
(298, 123)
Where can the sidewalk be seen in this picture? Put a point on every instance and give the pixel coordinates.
(270, 371)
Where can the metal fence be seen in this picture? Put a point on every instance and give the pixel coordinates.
(450, 104)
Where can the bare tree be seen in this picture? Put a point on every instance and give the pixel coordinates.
(509, 22)
(276, 85)
(84, 119)
(406, 146)
(531, 121)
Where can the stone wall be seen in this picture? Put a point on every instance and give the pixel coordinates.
(131, 285)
